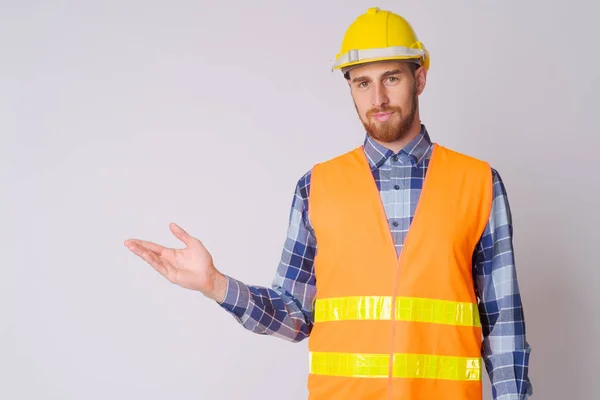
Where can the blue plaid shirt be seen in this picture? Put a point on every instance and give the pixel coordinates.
(286, 309)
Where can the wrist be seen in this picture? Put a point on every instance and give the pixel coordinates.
(219, 287)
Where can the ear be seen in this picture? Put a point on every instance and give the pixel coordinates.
(421, 79)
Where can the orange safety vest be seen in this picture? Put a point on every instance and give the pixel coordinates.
(398, 328)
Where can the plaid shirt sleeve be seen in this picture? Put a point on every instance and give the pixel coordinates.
(505, 348)
(285, 309)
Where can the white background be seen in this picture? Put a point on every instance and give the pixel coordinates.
(118, 117)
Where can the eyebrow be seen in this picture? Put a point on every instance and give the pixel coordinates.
(384, 75)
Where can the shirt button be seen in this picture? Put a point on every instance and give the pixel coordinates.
(394, 158)
(395, 223)
(397, 187)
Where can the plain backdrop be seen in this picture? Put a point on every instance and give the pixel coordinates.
(118, 117)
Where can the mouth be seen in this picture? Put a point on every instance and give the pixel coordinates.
(383, 116)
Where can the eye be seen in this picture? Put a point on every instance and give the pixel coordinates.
(363, 84)
(393, 79)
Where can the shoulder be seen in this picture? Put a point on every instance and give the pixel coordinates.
(462, 157)
(304, 182)
(340, 160)
(470, 161)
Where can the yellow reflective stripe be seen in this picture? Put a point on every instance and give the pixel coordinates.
(416, 366)
(407, 309)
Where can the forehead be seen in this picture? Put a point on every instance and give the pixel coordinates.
(379, 67)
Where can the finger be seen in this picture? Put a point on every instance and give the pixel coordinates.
(153, 247)
(181, 234)
(149, 257)
(143, 253)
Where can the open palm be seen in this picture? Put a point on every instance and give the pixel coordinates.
(191, 267)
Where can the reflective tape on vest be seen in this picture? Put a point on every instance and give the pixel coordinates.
(407, 309)
(404, 366)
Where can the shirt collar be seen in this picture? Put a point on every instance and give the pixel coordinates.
(412, 153)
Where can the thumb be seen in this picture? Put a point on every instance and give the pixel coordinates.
(181, 234)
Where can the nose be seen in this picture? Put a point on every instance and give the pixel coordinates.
(379, 95)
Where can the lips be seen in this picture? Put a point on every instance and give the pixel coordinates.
(383, 116)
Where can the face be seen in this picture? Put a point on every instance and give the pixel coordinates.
(385, 95)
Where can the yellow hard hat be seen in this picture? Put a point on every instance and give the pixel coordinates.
(379, 35)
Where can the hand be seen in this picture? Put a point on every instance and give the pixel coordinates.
(191, 268)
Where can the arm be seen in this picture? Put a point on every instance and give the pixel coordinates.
(505, 348)
(285, 310)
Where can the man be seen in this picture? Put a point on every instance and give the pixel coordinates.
(415, 261)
